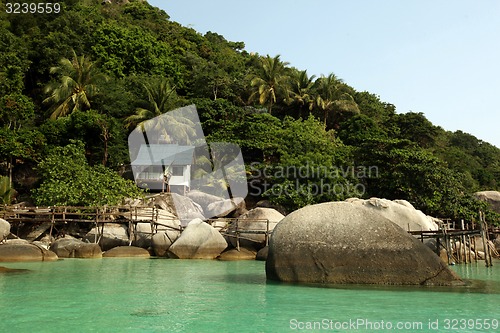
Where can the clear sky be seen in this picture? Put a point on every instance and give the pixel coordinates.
(439, 57)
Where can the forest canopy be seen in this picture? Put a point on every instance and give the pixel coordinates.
(77, 82)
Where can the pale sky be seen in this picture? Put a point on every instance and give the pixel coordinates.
(439, 57)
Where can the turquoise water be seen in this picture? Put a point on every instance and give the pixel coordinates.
(155, 295)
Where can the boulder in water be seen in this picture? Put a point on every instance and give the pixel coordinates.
(400, 212)
(198, 241)
(75, 248)
(342, 242)
(25, 252)
(235, 254)
(126, 252)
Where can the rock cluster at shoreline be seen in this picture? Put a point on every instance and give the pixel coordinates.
(198, 240)
(356, 241)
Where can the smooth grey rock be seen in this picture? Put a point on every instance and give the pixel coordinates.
(254, 220)
(25, 252)
(4, 230)
(183, 207)
(342, 242)
(235, 255)
(198, 241)
(491, 197)
(75, 248)
(203, 199)
(126, 252)
(262, 254)
(114, 235)
(225, 207)
(400, 212)
(162, 241)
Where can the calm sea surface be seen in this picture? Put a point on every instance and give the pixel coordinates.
(160, 295)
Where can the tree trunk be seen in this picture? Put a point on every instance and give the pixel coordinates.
(10, 167)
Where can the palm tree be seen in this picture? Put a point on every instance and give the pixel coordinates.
(301, 90)
(333, 96)
(161, 97)
(79, 82)
(270, 82)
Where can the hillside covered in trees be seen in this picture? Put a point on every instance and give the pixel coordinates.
(74, 84)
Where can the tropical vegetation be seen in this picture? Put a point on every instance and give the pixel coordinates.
(74, 85)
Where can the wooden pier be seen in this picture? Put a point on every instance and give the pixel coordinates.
(462, 242)
(44, 218)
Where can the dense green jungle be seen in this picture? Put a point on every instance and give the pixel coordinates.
(74, 84)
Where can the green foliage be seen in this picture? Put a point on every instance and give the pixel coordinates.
(154, 65)
(79, 81)
(67, 179)
(122, 53)
(23, 145)
(270, 82)
(311, 167)
(408, 172)
(301, 91)
(416, 127)
(334, 97)
(477, 161)
(6, 191)
(16, 110)
(14, 62)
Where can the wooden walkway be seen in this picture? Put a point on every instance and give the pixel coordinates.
(45, 218)
(466, 249)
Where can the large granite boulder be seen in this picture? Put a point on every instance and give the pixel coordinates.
(114, 234)
(20, 252)
(203, 199)
(162, 241)
(4, 230)
(75, 248)
(166, 234)
(142, 234)
(183, 207)
(226, 207)
(342, 242)
(254, 220)
(126, 252)
(491, 197)
(198, 241)
(236, 255)
(400, 212)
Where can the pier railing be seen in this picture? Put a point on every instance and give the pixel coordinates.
(45, 218)
(462, 241)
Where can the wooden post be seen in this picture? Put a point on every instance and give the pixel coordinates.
(52, 222)
(237, 237)
(447, 244)
(469, 251)
(96, 225)
(462, 240)
(483, 236)
(475, 249)
(267, 232)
